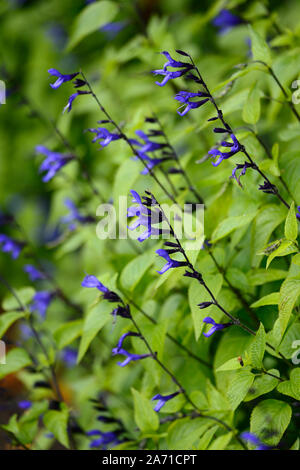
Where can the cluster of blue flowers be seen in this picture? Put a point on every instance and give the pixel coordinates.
(122, 310)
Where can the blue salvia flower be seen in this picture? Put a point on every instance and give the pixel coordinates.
(93, 282)
(53, 162)
(148, 145)
(253, 439)
(298, 213)
(235, 147)
(104, 439)
(168, 74)
(69, 356)
(226, 20)
(215, 327)
(130, 357)
(61, 78)
(24, 404)
(243, 167)
(41, 301)
(26, 331)
(185, 97)
(104, 136)
(75, 216)
(267, 188)
(69, 105)
(10, 245)
(146, 218)
(171, 263)
(33, 273)
(112, 29)
(163, 399)
(118, 348)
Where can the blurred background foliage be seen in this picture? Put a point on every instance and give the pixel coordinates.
(39, 35)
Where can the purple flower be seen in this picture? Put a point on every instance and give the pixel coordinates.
(162, 400)
(146, 218)
(205, 304)
(53, 162)
(168, 75)
(104, 135)
(148, 145)
(215, 327)
(24, 404)
(244, 167)
(226, 20)
(74, 215)
(33, 273)
(121, 311)
(105, 439)
(61, 78)
(267, 188)
(10, 245)
(112, 29)
(92, 281)
(41, 301)
(69, 356)
(184, 97)
(235, 148)
(129, 356)
(171, 263)
(118, 348)
(253, 439)
(298, 213)
(72, 98)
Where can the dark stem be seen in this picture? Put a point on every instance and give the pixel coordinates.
(230, 131)
(171, 338)
(55, 384)
(124, 136)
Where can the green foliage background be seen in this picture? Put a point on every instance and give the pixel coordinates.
(38, 35)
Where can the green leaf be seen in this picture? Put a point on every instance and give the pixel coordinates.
(257, 347)
(270, 299)
(144, 415)
(251, 109)
(289, 292)
(259, 47)
(230, 224)
(291, 387)
(16, 359)
(285, 248)
(95, 320)
(291, 224)
(198, 294)
(258, 277)
(57, 423)
(232, 364)
(67, 333)
(25, 295)
(221, 442)
(296, 259)
(262, 385)
(7, 319)
(135, 269)
(90, 19)
(239, 387)
(269, 420)
(183, 433)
